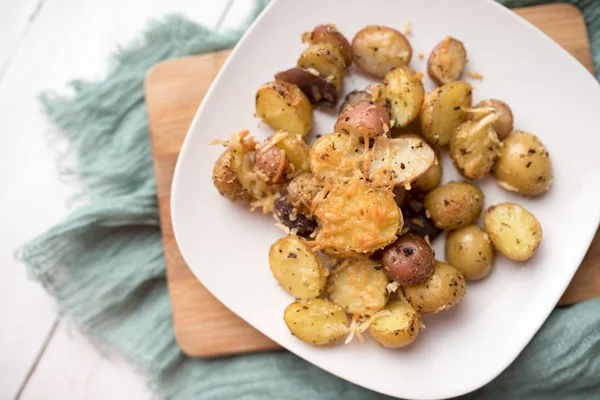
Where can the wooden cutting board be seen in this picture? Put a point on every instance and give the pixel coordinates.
(175, 88)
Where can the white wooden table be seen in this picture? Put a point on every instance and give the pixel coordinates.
(43, 45)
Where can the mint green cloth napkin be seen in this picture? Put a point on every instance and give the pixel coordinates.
(104, 264)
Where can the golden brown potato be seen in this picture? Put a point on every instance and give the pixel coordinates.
(443, 110)
(326, 60)
(524, 165)
(503, 125)
(409, 260)
(447, 61)
(284, 107)
(356, 218)
(297, 269)
(225, 179)
(330, 34)
(400, 328)
(454, 205)
(474, 147)
(403, 92)
(399, 161)
(363, 120)
(442, 291)
(301, 192)
(315, 87)
(316, 321)
(431, 179)
(335, 157)
(358, 287)
(470, 251)
(354, 97)
(377, 49)
(514, 231)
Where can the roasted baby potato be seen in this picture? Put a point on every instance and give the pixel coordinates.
(329, 34)
(470, 251)
(454, 205)
(443, 110)
(444, 289)
(503, 124)
(524, 165)
(297, 269)
(315, 87)
(447, 61)
(403, 92)
(363, 120)
(272, 165)
(430, 179)
(326, 60)
(400, 328)
(335, 157)
(301, 191)
(514, 231)
(225, 179)
(354, 97)
(474, 147)
(316, 321)
(356, 218)
(358, 287)
(284, 107)
(409, 260)
(415, 218)
(400, 161)
(377, 49)
(281, 157)
(295, 222)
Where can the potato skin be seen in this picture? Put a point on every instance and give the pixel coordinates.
(363, 120)
(316, 321)
(226, 180)
(377, 49)
(399, 329)
(330, 34)
(454, 205)
(514, 231)
(290, 217)
(474, 148)
(431, 179)
(284, 106)
(354, 97)
(325, 59)
(447, 61)
(524, 165)
(469, 250)
(409, 260)
(443, 290)
(415, 218)
(272, 165)
(316, 88)
(504, 124)
(301, 192)
(403, 92)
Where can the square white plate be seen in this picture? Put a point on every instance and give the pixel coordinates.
(551, 95)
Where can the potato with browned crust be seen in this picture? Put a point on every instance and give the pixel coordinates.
(447, 61)
(316, 321)
(469, 250)
(454, 205)
(377, 49)
(409, 260)
(399, 328)
(503, 125)
(284, 106)
(225, 179)
(524, 165)
(514, 231)
(331, 35)
(301, 191)
(335, 157)
(444, 289)
(363, 120)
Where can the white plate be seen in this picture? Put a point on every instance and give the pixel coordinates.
(551, 95)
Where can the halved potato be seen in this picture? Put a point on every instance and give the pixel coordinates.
(284, 107)
(363, 120)
(513, 230)
(431, 179)
(358, 287)
(335, 157)
(301, 191)
(297, 269)
(400, 328)
(403, 92)
(377, 49)
(354, 97)
(330, 34)
(316, 321)
(447, 61)
(225, 179)
(315, 87)
(400, 161)
(503, 125)
(443, 110)
(326, 60)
